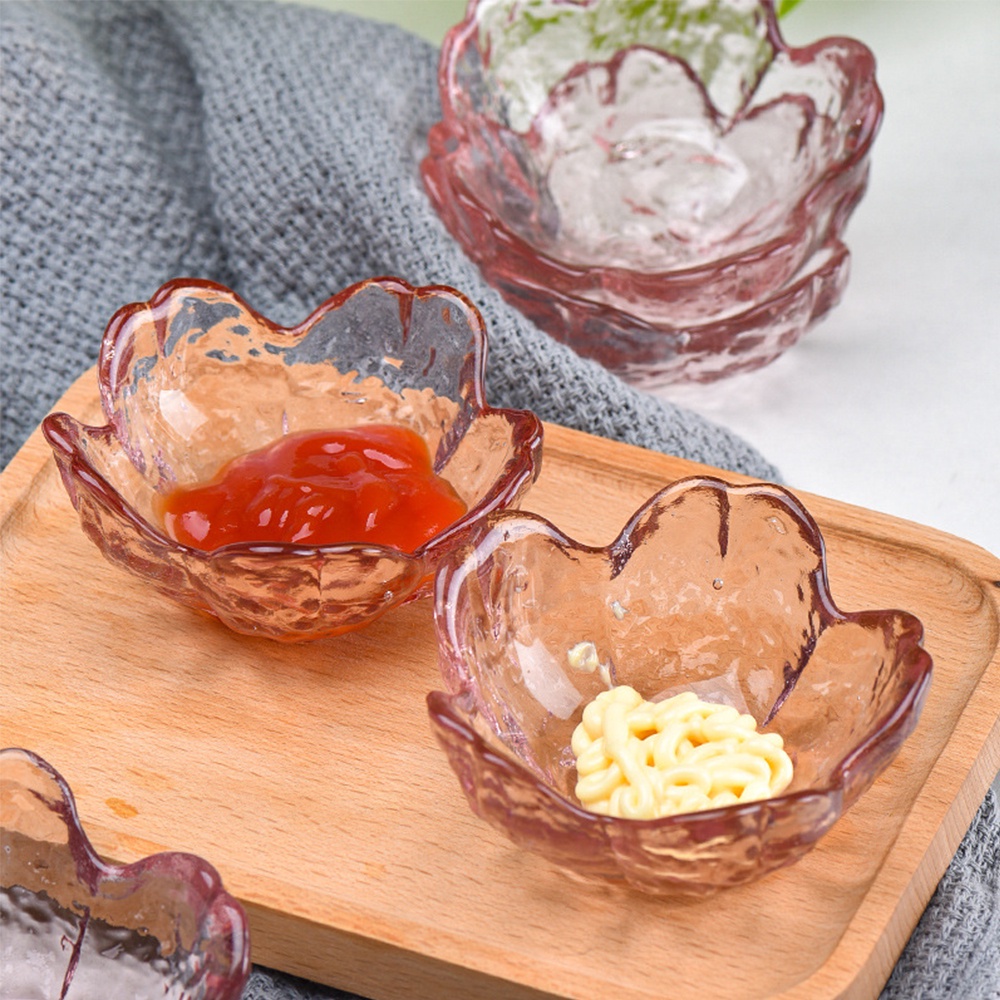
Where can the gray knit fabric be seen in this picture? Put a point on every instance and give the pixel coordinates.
(275, 149)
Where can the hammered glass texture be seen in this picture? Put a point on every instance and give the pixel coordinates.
(663, 186)
(194, 377)
(713, 588)
(77, 927)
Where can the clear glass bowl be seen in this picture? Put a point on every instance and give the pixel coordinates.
(674, 166)
(713, 588)
(194, 377)
(76, 926)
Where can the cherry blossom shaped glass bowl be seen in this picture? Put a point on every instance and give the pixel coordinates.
(712, 588)
(77, 926)
(194, 377)
(652, 182)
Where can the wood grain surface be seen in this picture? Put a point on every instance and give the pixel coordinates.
(309, 777)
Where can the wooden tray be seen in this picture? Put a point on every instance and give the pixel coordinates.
(308, 775)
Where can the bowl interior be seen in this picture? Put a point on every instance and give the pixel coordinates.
(195, 377)
(654, 138)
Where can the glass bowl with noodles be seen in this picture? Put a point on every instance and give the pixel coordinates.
(682, 710)
(298, 482)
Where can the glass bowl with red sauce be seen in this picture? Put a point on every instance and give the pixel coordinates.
(711, 588)
(663, 186)
(294, 482)
(75, 925)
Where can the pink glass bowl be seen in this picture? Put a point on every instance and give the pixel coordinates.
(653, 186)
(710, 587)
(76, 926)
(194, 377)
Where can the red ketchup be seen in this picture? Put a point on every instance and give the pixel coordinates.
(370, 484)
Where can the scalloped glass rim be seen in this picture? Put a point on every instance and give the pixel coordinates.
(182, 566)
(660, 856)
(223, 930)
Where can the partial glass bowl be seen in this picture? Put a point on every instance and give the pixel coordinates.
(195, 377)
(74, 925)
(710, 587)
(674, 165)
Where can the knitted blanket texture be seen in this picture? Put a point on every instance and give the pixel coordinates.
(274, 148)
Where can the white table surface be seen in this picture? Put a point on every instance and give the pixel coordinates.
(892, 402)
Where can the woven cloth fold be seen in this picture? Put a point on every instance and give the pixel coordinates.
(274, 148)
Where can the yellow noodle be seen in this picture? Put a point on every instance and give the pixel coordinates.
(642, 760)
